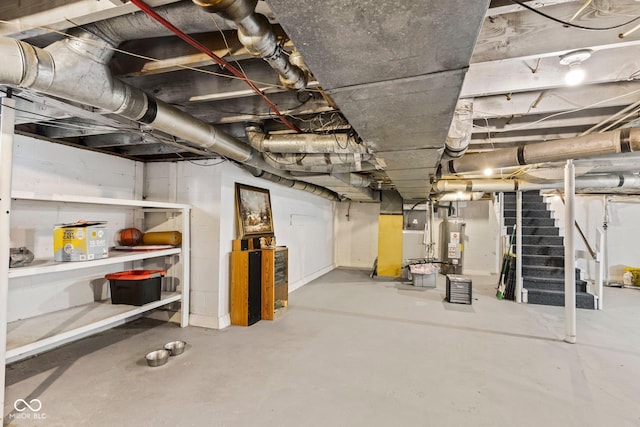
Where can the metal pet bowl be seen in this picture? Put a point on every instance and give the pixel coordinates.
(157, 357)
(175, 347)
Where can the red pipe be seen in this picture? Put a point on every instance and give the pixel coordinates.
(224, 64)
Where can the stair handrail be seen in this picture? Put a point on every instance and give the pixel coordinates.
(584, 238)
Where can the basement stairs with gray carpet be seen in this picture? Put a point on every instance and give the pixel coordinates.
(543, 253)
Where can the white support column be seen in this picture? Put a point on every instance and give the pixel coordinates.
(519, 246)
(7, 121)
(600, 268)
(605, 242)
(185, 309)
(569, 253)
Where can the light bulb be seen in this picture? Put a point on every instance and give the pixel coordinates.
(488, 172)
(575, 75)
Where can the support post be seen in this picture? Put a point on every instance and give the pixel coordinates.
(600, 268)
(519, 246)
(605, 242)
(569, 253)
(7, 121)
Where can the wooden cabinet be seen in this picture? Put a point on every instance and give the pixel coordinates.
(259, 284)
(275, 282)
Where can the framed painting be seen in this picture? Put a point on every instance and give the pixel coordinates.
(253, 211)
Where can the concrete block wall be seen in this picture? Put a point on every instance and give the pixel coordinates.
(303, 222)
(43, 168)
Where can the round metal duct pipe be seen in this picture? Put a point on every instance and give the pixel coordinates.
(604, 181)
(582, 147)
(303, 142)
(255, 33)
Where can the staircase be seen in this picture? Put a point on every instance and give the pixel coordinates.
(542, 253)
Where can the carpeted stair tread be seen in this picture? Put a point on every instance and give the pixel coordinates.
(543, 271)
(540, 260)
(554, 250)
(528, 213)
(543, 240)
(556, 298)
(528, 230)
(552, 284)
(526, 222)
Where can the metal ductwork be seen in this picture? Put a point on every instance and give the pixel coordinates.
(303, 142)
(255, 33)
(461, 128)
(582, 147)
(55, 71)
(604, 181)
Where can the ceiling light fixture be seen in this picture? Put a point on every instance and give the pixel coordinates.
(574, 60)
(488, 172)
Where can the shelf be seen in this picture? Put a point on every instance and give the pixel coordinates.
(30, 196)
(43, 266)
(34, 335)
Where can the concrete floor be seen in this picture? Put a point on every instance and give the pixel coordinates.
(352, 351)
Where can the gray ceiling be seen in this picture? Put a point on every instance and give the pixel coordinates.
(391, 72)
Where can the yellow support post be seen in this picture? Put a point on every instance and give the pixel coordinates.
(390, 245)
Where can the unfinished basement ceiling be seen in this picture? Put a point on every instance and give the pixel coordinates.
(386, 73)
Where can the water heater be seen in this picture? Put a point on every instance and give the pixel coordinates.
(452, 245)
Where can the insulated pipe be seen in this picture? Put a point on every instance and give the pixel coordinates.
(135, 26)
(255, 33)
(582, 147)
(310, 188)
(353, 179)
(498, 185)
(454, 197)
(303, 142)
(314, 162)
(461, 128)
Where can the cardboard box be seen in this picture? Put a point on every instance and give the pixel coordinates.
(80, 241)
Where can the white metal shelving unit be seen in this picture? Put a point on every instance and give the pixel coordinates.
(26, 337)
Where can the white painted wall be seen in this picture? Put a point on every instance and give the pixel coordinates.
(303, 222)
(44, 168)
(482, 236)
(356, 237)
(623, 232)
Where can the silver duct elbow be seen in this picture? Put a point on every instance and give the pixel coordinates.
(255, 33)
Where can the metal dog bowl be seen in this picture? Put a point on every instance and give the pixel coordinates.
(175, 347)
(157, 357)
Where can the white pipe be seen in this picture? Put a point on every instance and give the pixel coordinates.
(519, 247)
(569, 254)
(7, 120)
